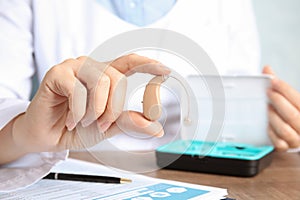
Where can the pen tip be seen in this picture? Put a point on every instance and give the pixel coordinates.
(125, 180)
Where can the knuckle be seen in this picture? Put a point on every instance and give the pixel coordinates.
(123, 81)
(83, 60)
(80, 58)
(131, 58)
(64, 66)
(54, 71)
(69, 61)
(122, 77)
(119, 77)
(72, 64)
(104, 79)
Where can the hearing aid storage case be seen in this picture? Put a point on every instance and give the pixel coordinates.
(246, 108)
(225, 158)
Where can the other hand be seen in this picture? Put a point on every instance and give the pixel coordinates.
(284, 113)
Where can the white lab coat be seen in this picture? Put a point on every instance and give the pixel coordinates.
(35, 35)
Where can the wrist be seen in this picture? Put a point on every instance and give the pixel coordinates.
(20, 134)
(10, 150)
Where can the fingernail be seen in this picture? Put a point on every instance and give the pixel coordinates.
(85, 122)
(161, 134)
(105, 125)
(70, 125)
(166, 69)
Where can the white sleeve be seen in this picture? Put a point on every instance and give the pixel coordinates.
(244, 50)
(16, 70)
(16, 44)
(28, 170)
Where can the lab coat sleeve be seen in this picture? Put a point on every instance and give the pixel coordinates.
(16, 70)
(244, 50)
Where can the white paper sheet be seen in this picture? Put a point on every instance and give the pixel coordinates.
(142, 187)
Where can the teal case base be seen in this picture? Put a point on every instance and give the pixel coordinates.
(225, 158)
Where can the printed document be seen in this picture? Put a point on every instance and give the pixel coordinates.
(141, 188)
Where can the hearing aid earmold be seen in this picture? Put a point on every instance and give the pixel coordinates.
(152, 108)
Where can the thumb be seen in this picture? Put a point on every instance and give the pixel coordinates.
(268, 70)
(131, 121)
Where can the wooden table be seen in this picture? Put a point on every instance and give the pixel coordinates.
(281, 180)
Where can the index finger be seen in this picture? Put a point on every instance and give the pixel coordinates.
(116, 98)
(292, 95)
(129, 64)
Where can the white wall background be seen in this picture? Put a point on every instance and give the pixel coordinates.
(278, 24)
(279, 29)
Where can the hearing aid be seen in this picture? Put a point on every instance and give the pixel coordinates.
(152, 107)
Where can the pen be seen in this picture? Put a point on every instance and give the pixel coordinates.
(86, 178)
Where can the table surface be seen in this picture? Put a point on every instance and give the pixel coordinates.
(280, 180)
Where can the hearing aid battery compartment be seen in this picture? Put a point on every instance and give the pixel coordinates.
(225, 158)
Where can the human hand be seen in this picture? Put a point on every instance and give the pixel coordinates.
(284, 113)
(80, 102)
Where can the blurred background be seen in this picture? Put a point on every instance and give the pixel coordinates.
(278, 24)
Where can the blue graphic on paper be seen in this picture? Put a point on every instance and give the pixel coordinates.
(161, 191)
(169, 192)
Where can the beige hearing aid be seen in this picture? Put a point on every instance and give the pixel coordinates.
(152, 108)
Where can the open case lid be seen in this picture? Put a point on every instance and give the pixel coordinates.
(246, 103)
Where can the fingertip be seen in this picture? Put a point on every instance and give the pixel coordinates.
(160, 134)
(104, 126)
(70, 126)
(70, 123)
(156, 129)
(281, 146)
(165, 69)
(275, 82)
(78, 101)
(268, 70)
(85, 123)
